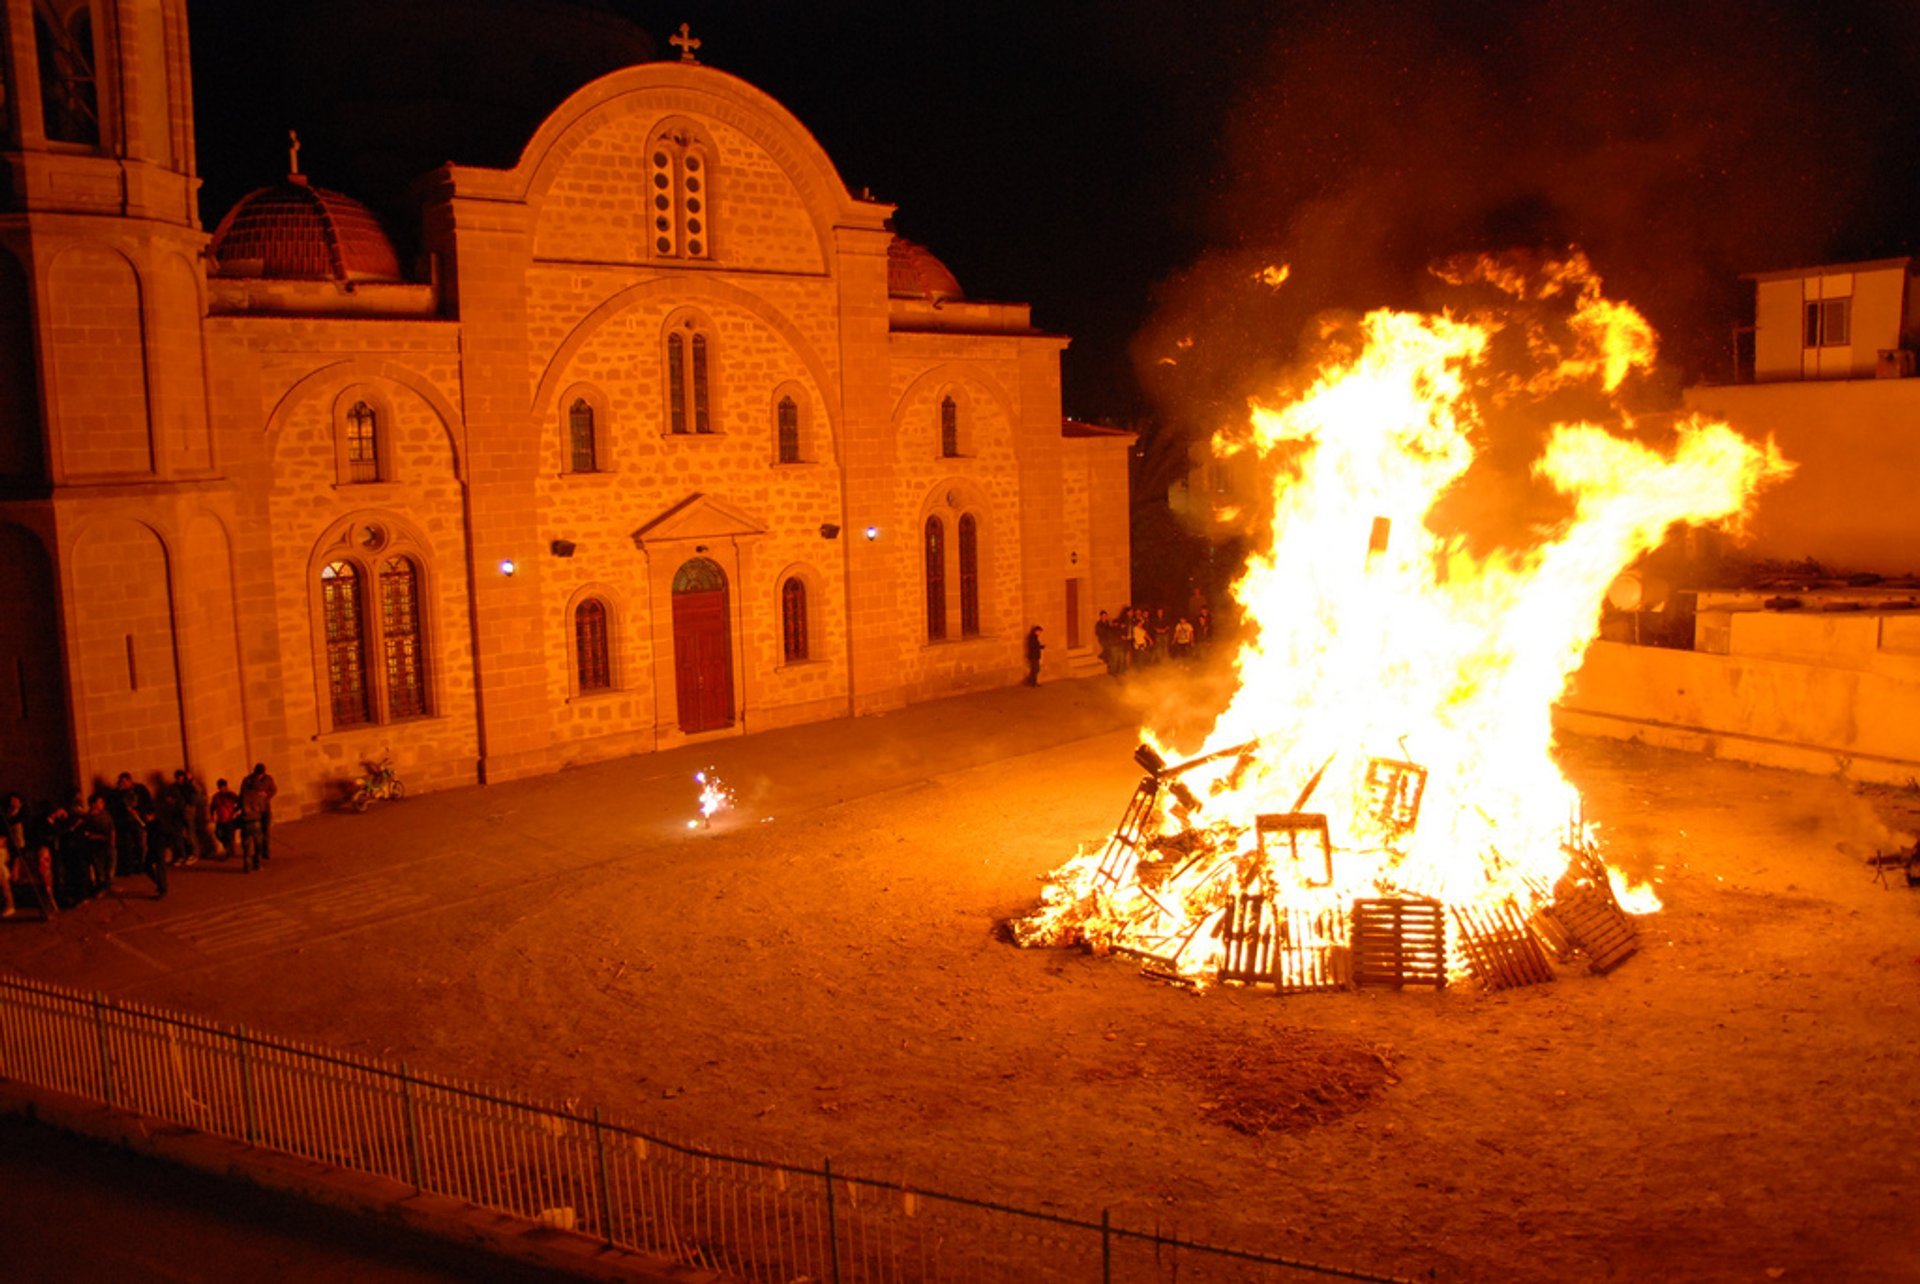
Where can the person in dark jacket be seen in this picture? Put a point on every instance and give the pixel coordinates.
(1034, 647)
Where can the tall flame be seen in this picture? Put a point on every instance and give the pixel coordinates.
(1373, 637)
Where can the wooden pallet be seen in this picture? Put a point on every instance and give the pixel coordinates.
(1124, 849)
(1394, 790)
(1597, 925)
(1294, 951)
(1302, 837)
(1500, 950)
(1399, 941)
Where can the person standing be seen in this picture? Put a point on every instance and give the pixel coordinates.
(97, 833)
(264, 783)
(1034, 647)
(131, 807)
(256, 816)
(193, 802)
(225, 809)
(1182, 638)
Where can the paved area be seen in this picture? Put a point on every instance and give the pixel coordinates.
(339, 873)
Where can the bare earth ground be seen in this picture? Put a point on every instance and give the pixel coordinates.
(817, 976)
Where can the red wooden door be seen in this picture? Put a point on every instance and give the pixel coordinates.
(703, 660)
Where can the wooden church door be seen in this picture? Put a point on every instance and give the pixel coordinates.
(702, 647)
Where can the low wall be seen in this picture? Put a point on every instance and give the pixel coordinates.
(1851, 714)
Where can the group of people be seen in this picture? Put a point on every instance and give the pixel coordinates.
(65, 853)
(1138, 636)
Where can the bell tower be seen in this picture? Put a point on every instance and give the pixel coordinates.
(104, 429)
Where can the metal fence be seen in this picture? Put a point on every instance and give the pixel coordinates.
(753, 1219)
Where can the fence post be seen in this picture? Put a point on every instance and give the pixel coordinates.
(833, 1231)
(606, 1192)
(106, 1058)
(1106, 1246)
(413, 1126)
(246, 1085)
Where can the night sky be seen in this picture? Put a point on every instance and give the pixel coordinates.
(1126, 166)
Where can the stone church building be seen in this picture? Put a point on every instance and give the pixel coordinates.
(664, 436)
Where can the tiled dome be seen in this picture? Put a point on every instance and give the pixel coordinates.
(913, 273)
(294, 231)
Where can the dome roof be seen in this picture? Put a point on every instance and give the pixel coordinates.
(913, 273)
(294, 231)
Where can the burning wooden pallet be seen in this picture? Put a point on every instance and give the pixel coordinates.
(1500, 950)
(1294, 951)
(1399, 941)
(1584, 909)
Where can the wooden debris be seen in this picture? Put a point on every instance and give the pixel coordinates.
(1596, 924)
(1123, 849)
(1500, 951)
(1399, 941)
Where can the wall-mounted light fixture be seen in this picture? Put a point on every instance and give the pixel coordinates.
(699, 548)
(873, 532)
(507, 568)
(562, 547)
(829, 531)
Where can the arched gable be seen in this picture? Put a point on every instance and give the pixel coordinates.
(976, 390)
(605, 127)
(690, 291)
(330, 379)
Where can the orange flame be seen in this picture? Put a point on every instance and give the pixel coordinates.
(1377, 647)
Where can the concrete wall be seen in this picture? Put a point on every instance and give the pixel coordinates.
(1850, 504)
(1809, 692)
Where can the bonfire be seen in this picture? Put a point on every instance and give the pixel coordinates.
(1378, 802)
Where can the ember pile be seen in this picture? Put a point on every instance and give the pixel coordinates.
(1378, 804)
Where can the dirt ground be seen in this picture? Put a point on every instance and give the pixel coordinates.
(817, 975)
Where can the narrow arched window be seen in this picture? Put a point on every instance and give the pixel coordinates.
(793, 619)
(400, 632)
(682, 196)
(592, 665)
(346, 643)
(936, 552)
(949, 428)
(689, 379)
(969, 577)
(676, 383)
(787, 430)
(69, 100)
(585, 457)
(363, 443)
(701, 422)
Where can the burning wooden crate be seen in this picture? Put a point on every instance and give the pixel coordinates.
(1398, 942)
(1500, 950)
(1295, 951)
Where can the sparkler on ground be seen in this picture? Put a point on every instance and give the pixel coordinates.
(716, 796)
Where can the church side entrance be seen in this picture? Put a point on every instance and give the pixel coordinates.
(702, 647)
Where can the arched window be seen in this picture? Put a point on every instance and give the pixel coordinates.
(688, 408)
(592, 664)
(969, 577)
(400, 630)
(793, 619)
(584, 456)
(346, 643)
(786, 418)
(682, 184)
(363, 443)
(69, 101)
(949, 428)
(936, 580)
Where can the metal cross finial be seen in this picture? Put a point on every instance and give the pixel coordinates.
(293, 154)
(686, 43)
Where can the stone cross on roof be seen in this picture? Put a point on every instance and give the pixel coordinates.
(293, 153)
(686, 43)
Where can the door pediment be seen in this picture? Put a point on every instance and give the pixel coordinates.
(697, 517)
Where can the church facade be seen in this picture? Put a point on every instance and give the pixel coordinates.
(665, 437)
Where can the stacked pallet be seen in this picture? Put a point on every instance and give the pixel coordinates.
(1501, 951)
